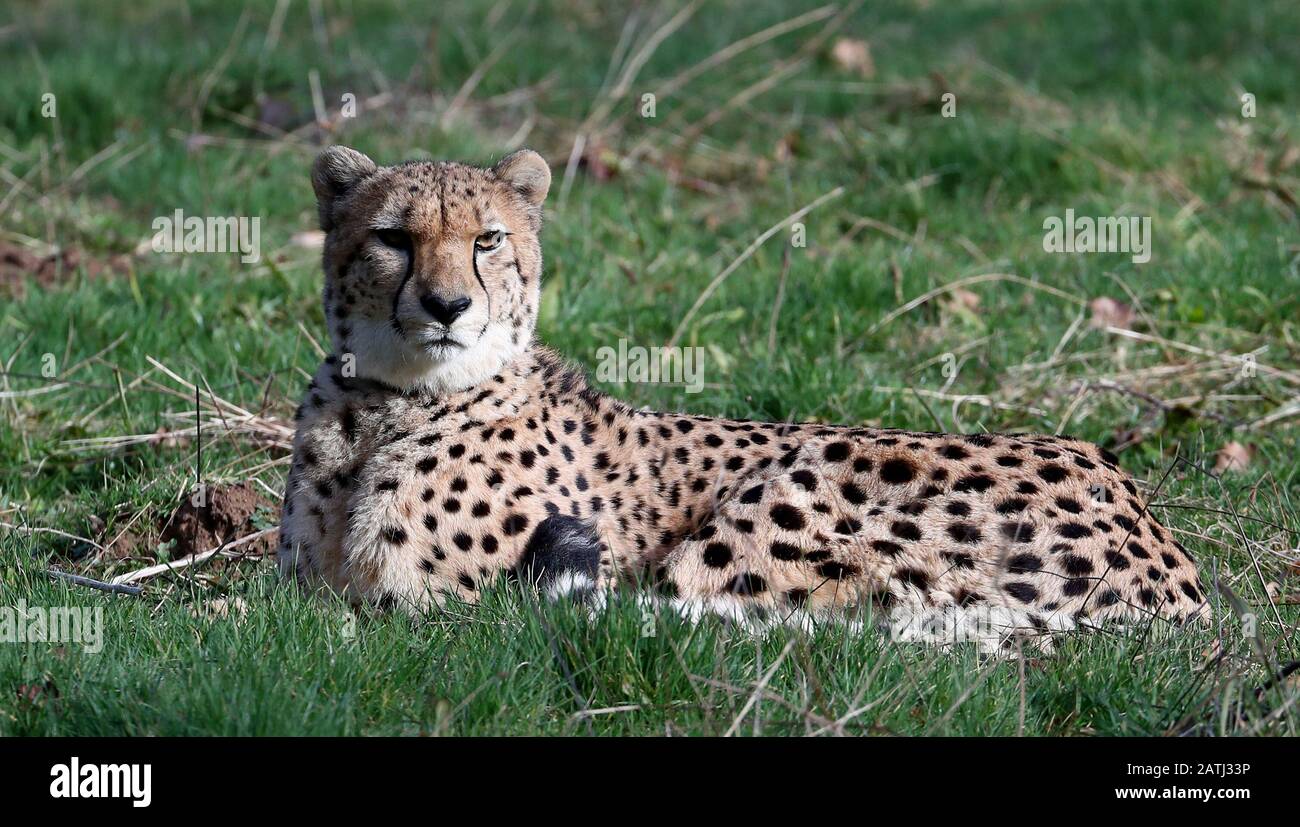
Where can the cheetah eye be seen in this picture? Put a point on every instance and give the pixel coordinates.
(397, 239)
(490, 240)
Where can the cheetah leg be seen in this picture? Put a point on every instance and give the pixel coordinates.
(833, 531)
(770, 553)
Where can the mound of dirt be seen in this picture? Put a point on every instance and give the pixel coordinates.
(18, 263)
(227, 514)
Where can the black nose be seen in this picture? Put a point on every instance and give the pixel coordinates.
(443, 310)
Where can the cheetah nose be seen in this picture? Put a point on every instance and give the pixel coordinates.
(444, 310)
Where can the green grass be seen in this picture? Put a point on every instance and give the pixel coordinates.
(1113, 108)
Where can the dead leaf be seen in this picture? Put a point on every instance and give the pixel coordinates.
(787, 147)
(854, 56)
(1108, 312)
(1233, 456)
(964, 299)
(221, 608)
(36, 694)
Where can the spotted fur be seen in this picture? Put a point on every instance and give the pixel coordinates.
(434, 454)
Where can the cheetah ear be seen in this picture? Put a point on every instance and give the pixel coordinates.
(526, 173)
(336, 171)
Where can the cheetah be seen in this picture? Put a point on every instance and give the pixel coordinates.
(439, 446)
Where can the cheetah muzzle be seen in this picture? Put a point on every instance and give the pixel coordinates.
(439, 446)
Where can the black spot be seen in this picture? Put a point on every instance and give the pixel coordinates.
(853, 493)
(1017, 532)
(514, 524)
(914, 577)
(1024, 563)
(1075, 565)
(1068, 504)
(847, 525)
(785, 551)
(836, 452)
(466, 581)
(426, 465)
(897, 471)
(1012, 506)
(1169, 560)
(1137, 550)
(954, 452)
(746, 583)
(1046, 454)
(959, 559)
(393, 534)
(1073, 531)
(1024, 592)
(1108, 598)
(887, 547)
(1116, 561)
(965, 598)
(965, 533)
(717, 555)
(1076, 586)
(1009, 461)
(1190, 591)
(787, 517)
(958, 509)
(906, 529)
(753, 495)
(463, 541)
(974, 482)
(1050, 472)
(805, 478)
(836, 570)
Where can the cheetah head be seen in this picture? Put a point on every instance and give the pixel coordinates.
(432, 269)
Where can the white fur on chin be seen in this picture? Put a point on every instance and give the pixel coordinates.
(384, 356)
